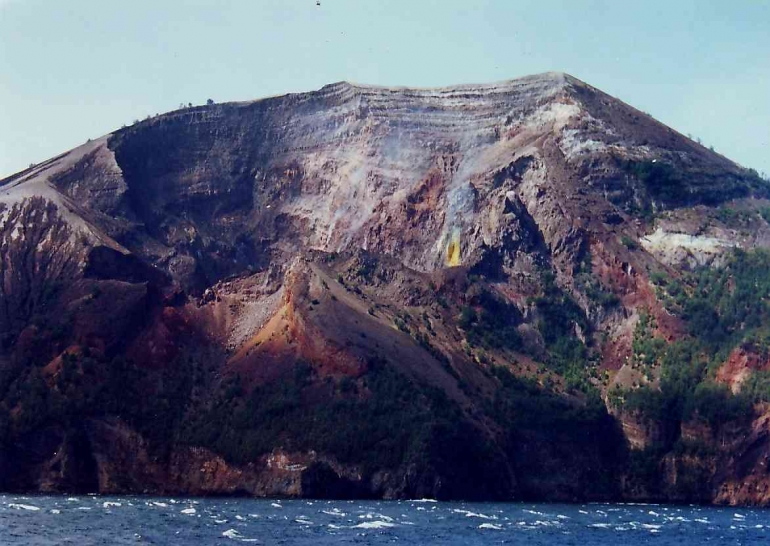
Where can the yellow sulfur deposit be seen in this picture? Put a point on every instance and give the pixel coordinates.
(453, 252)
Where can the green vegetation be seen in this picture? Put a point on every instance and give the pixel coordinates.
(522, 402)
(670, 292)
(658, 278)
(668, 187)
(717, 405)
(401, 325)
(490, 322)
(559, 314)
(367, 269)
(686, 392)
(574, 439)
(424, 341)
(726, 306)
(723, 308)
(734, 218)
(560, 318)
(629, 243)
(662, 181)
(757, 387)
(151, 401)
(647, 349)
(729, 304)
(400, 422)
(682, 369)
(764, 212)
(589, 284)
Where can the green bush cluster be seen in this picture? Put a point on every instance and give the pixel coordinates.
(394, 425)
(590, 285)
(559, 318)
(662, 181)
(647, 349)
(629, 243)
(547, 433)
(685, 392)
(493, 325)
(84, 386)
(733, 217)
(729, 304)
(717, 405)
(670, 187)
(757, 386)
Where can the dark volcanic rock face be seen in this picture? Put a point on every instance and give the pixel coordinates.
(369, 292)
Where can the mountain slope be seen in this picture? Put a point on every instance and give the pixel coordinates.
(471, 292)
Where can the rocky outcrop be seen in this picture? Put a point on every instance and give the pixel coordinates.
(740, 365)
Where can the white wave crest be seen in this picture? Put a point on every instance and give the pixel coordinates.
(334, 512)
(235, 535)
(377, 524)
(29, 507)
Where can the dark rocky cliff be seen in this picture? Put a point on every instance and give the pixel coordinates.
(504, 291)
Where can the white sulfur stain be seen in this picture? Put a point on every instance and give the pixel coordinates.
(672, 248)
(558, 113)
(572, 145)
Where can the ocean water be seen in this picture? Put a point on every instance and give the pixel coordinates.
(91, 520)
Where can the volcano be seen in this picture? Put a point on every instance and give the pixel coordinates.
(522, 290)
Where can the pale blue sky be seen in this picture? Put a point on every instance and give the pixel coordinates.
(74, 69)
